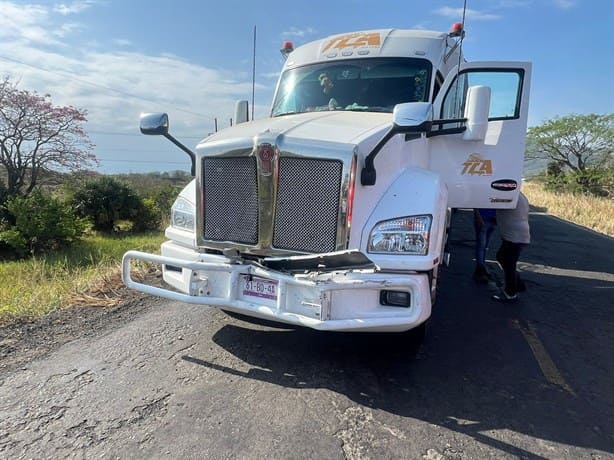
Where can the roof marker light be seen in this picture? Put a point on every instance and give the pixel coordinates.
(457, 30)
(286, 49)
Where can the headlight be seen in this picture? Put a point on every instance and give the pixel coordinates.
(182, 214)
(405, 235)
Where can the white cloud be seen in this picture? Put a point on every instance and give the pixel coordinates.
(513, 3)
(115, 85)
(74, 7)
(457, 14)
(66, 29)
(296, 32)
(121, 42)
(270, 75)
(24, 23)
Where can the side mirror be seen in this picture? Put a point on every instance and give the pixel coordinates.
(477, 107)
(241, 112)
(157, 124)
(154, 124)
(413, 117)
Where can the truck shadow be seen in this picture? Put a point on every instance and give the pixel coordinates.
(476, 373)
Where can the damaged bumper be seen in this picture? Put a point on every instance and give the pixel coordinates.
(349, 299)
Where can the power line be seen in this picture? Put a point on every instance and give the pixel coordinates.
(112, 133)
(111, 149)
(72, 77)
(145, 162)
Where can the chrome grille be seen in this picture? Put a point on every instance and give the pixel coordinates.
(307, 204)
(230, 194)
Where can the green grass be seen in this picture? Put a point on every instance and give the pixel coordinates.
(34, 287)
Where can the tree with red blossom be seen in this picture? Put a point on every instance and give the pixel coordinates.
(37, 137)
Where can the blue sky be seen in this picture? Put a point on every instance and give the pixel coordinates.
(193, 59)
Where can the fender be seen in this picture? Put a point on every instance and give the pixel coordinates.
(415, 191)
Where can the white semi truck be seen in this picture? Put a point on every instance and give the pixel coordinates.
(333, 212)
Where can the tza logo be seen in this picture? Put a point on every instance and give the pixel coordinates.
(475, 165)
(353, 40)
(505, 185)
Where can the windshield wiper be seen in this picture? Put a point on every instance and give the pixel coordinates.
(360, 108)
(285, 113)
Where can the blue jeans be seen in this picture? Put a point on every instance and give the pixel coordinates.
(483, 232)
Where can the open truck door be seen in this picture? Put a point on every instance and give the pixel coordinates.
(481, 157)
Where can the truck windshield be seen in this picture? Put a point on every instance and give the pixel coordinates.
(369, 85)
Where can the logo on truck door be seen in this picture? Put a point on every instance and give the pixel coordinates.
(476, 165)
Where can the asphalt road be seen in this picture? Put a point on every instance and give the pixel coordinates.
(534, 379)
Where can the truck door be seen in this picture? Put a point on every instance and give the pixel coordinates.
(485, 173)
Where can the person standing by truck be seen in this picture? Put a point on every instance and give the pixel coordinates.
(515, 236)
(484, 223)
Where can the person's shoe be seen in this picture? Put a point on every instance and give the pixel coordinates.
(503, 296)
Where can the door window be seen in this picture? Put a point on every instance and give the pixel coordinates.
(505, 86)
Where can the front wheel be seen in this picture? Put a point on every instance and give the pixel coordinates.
(413, 339)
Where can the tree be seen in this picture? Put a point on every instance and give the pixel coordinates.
(37, 136)
(575, 142)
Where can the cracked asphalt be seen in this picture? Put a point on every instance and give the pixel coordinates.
(158, 379)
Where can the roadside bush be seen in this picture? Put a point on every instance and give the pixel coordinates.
(41, 223)
(148, 216)
(106, 200)
(114, 205)
(593, 181)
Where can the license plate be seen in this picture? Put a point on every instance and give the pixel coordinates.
(263, 288)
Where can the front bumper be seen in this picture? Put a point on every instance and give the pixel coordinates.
(347, 300)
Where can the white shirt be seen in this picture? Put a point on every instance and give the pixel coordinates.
(514, 223)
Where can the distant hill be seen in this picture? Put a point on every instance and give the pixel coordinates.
(534, 167)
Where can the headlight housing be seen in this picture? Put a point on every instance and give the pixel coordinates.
(404, 235)
(183, 215)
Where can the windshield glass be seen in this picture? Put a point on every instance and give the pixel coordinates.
(370, 85)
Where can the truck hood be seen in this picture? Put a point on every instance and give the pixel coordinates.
(336, 127)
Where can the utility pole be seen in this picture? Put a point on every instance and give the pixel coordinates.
(254, 73)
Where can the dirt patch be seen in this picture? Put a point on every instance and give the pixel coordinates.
(25, 341)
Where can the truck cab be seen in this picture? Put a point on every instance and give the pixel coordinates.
(333, 212)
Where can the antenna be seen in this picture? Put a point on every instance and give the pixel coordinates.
(254, 73)
(460, 50)
(461, 34)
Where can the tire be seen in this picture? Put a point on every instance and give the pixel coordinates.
(413, 339)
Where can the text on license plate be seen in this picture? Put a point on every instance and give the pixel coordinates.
(258, 287)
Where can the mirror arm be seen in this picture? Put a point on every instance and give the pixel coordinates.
(185, 149)
(368, 173)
